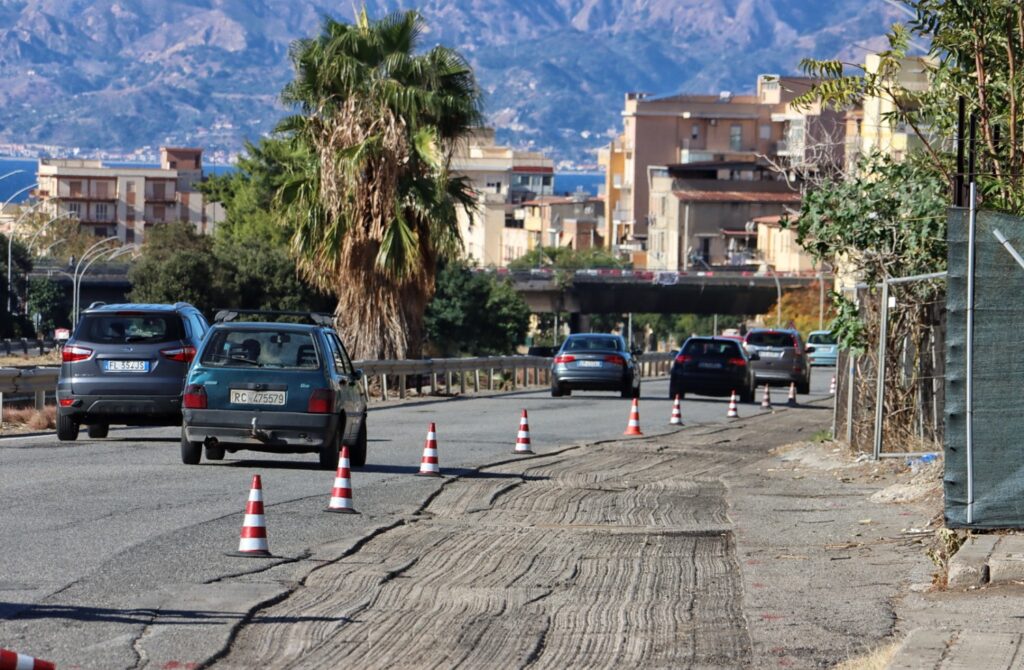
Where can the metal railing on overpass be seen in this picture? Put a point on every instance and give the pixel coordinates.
(385, 380)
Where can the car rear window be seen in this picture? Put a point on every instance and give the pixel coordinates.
(712, 348)
(771, 339)
(821, 338)
(270, 348)
(601, 343)
(120, 328)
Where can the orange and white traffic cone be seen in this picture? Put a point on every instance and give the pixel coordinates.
(677, 416)
(791, 401)
(429, 465)
(341, 494)
(832, 386)
(733, 413)
(254, 528)
(633, 427)
(12, 660)
(766, 399)
(523, 437)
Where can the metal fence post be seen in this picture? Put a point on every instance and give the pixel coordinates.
(880, 390)
(462, 382)
(490, 379)
(401, 386)
(476, 380)
(851, 380)
(41, 400)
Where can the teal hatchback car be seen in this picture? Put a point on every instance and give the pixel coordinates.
(273, 387)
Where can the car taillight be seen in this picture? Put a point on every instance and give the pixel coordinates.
(683, 358)
(321, 401)
(738, 362)
(66, 402)
(195, 397)
(796, 346)
(74, 353)
(180, 354)
(565, 358)
(615, 360)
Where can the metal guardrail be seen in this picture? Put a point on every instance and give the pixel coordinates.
(385, 379)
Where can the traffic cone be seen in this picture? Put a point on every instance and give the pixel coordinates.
(733, 413)
(791, 401)
(523, 437)
(254, 528)
(12, 660)
(633, 427)
(429, 464)
(832, 386)
(341, 494)
(677, 417)
(766, 399)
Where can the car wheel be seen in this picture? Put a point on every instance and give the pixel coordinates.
(358, 452)
(329, 451)
(98, 430)
(215, 453)
(67, 428)
(556, 391)
(747, 395)
(635, 392)
(191, 452)
(803, 388)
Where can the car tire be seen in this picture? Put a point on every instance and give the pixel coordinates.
(357, 454)
(191, 452)
(329, 451)
(803, 388)
(98, 430)
(556, 391)
(214, 452)
(67, 428)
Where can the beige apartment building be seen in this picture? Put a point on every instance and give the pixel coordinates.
(871, 129)
(777, 246)
(704, 129)
(575, 221)
(503, 179)
(126, 201)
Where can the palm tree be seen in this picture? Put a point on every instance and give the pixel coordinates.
(367, 188)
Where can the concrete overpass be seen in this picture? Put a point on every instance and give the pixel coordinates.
(622, 291)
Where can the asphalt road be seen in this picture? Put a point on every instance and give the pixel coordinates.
(103, 536)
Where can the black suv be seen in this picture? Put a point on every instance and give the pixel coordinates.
(126, 364)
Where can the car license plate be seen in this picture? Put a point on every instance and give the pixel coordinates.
(589, 364)
(770, 354)
(709, 366)
(245, 397)
(126, 366)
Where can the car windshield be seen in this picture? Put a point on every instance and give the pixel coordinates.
(771, 339)
(270, 348)
(712, 348)
(821, 338)
(120, 328)
(605, 343)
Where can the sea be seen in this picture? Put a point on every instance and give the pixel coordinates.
(565, 182)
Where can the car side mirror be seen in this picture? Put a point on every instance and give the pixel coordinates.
(636, 351)
(810, 350)
(357, 375)
(754, 356)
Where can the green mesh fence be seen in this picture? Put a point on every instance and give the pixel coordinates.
(997, 462)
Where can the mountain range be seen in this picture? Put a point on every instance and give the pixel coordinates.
(116, 75)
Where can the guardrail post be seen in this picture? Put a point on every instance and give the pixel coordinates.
(462, 382)
(384, 386)
(7, 347)
(476, 380)
(401, 386)
(24, 345)
(515, 373)
(490, 379)
(40, 343)
(366, 385)
(41, 399)
(448, 382)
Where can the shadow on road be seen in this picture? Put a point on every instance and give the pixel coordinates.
(143, 615)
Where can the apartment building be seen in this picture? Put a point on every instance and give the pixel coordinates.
(704, 129)
(575, 221)
(871, 128)
(126, 201)
(777, 246)
(699, 213)
(503, 179)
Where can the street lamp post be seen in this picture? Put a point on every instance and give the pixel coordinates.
(94, 250)
(106, 254)
(10, 240)
(32, 240)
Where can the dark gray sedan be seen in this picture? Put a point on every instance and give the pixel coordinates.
(594, 362)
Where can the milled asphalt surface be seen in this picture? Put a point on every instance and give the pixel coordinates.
(121, 551)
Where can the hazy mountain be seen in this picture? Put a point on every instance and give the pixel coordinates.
(120, 74)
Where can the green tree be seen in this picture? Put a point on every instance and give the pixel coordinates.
(177, 265)
(567, 258)
(13, 324)
(368, 192)
(474, 313)
(48, 300)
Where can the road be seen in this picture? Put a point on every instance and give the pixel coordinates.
(118, 556)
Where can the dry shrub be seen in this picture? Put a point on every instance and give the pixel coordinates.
(30, 417)
(878, 659)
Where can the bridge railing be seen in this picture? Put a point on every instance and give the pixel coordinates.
(385, 380)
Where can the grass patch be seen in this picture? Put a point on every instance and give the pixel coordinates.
(878, 659)
(822, 436)
(30, 418)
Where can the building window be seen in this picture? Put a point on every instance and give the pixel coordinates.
(158, 191)
(766, 131)
(158, 212)
(695, 132)
(75, 208)
(735, 137)
(102, 212)
(130, 186)
(76, 189)
(546, 180)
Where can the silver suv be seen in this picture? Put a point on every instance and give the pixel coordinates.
(126, 364)
(782, 358)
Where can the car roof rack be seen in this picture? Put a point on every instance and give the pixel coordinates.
(316, 318)
(96, 304)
